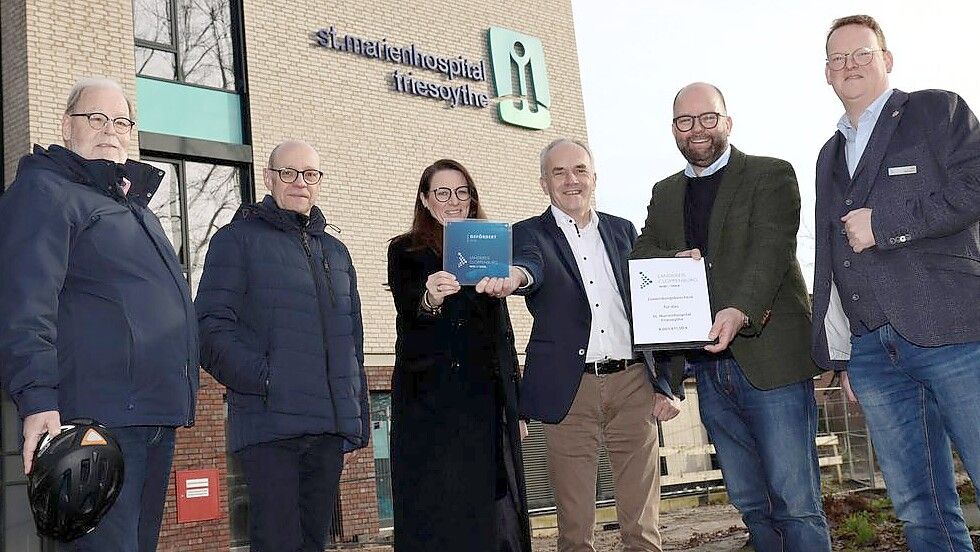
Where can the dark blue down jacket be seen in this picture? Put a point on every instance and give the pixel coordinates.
(280, 323)
(96, 318)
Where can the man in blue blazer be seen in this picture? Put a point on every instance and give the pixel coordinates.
(580, 376)
(897, 277)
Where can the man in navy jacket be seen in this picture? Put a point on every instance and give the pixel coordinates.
(97, 316)
(280, 322)
(897, 277)
(581, 378)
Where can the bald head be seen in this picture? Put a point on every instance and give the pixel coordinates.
(702, 89)
(290, 148)
(290, 188)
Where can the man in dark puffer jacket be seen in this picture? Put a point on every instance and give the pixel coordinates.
(280, 323)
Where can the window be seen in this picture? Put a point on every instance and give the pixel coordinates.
(193, 201)
(380, 432)
(189, 41)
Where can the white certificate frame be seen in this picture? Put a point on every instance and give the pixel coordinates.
(671, 304)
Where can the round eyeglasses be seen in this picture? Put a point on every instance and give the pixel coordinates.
(708, 120)
(860, 57)
(443, 195)
(98, 121)
(311, 177)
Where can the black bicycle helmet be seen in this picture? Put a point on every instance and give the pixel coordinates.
(75, 479)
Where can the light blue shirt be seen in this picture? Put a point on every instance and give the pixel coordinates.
(857, 138)
(712, 168)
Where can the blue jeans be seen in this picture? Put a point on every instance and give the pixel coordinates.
(766, 444)
(133, 522)
(914, 399)
(292, 491)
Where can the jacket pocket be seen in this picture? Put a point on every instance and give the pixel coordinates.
(95, 344)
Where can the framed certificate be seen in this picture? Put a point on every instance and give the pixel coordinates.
(474, 248)
(671, 307)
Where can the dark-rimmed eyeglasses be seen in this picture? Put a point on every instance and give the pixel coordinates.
(708, 120)
(98, 121)
(860, 57)
(288, 175)
(443, 195)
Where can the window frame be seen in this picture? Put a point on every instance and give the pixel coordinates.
(236, 33)
(245, 189)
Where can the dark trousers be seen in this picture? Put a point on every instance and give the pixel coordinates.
(133, 522)
(292, 490)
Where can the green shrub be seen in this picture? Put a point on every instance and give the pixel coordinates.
(860, 527)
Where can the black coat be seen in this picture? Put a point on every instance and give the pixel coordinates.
(97, 319)
(280, 322)
(454, 399)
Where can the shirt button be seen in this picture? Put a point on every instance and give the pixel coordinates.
(591, 282)
(847, 263)
(597, 304)
(581, 352)
(843, 232)
(602, 331)
(848, 201)
(855, 297)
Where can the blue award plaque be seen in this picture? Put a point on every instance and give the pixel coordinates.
(475, 248)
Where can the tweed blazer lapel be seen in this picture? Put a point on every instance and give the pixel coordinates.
(868, 167)
(727, 191)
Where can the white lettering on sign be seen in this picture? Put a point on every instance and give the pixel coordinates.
(197, 488)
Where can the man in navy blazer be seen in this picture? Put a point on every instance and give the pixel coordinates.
(580, 375)
(897, 277)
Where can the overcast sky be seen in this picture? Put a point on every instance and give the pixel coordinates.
(768, 59)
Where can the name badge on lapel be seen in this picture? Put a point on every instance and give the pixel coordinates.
(909, 169)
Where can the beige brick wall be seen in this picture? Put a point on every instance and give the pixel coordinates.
(375, 141)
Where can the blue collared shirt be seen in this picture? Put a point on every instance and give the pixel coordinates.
(857, 138)
(712, 168)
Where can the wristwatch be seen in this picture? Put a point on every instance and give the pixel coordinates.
(428, 307)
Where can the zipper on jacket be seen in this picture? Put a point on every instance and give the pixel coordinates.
(183, 299)
(326, 268)
(305, 239)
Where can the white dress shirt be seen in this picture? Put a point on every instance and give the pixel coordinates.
(711, 169)
(610, 336)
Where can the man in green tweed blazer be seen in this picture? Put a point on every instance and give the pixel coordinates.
(755, 386)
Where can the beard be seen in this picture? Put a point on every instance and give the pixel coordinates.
(703, 157)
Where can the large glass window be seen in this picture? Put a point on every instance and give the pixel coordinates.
(193, 201)
(185, 40)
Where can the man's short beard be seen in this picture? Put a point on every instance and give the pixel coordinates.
(712, 155)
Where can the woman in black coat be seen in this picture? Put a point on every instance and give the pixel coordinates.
(457, 475)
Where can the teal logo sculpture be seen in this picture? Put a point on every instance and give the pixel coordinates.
(520, 78)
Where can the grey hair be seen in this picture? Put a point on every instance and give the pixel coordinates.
(84, 83)
(555, 143)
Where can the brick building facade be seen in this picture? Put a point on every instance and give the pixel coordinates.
(209, 111)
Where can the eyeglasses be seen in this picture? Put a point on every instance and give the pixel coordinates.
(289, 175)
(708, 120)
(860, 57)
(98, 121)
(443, 195)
